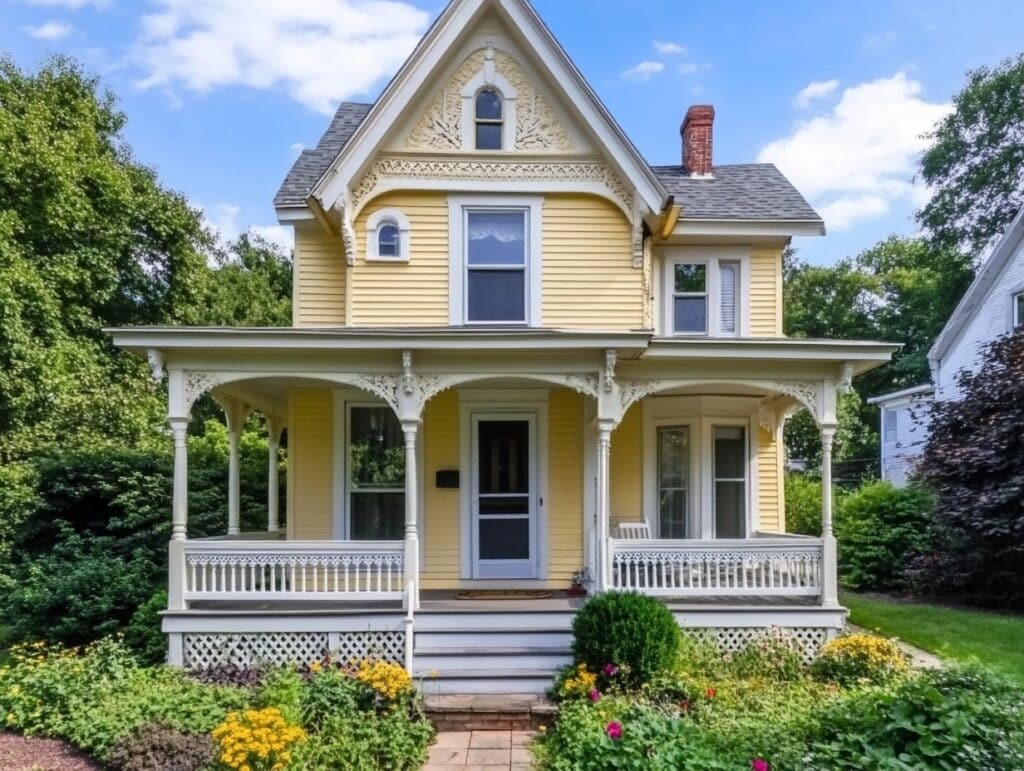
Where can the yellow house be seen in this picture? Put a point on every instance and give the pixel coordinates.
(522, 361)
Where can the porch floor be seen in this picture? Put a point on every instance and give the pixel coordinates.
(444, 601)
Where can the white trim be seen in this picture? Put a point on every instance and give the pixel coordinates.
(373, 223)
(748, 228)
(711, 257)
(286, 214)
(1015, 319)
(905, 394)
(511, 401)
(458, 206)
(700, 414)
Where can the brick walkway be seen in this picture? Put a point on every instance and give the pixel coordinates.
(493, 750)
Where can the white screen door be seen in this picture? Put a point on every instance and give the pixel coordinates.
(504, 496)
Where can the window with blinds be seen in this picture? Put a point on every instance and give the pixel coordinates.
(728, 274)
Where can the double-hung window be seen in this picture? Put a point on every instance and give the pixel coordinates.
(495, 278)
(376, 474)
(1017, 302)
(703, 293)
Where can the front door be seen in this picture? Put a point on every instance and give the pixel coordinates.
(504, 496)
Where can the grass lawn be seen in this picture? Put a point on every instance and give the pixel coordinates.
(992, 638)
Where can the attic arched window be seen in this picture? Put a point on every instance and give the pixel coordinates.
(389, 240)
(387, 236)
(489, 119)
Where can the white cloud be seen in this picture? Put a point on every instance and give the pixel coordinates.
(51, 30)
(643, 71)
(854, 160)
(319, 51)
(296, 147)
(668, 48)
(688, 68)
(812, 92)
(881, 40)
(223, 219)
(283, 236)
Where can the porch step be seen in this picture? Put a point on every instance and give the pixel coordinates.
(448, 639)
(487, 712)
(473, 681)
(497, 659)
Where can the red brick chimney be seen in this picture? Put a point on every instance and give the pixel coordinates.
(697, 139)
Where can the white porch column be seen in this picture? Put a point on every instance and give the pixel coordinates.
(274, 428)
(410, 428)
(179, 516)
(830, 559)
(235, 412)
(604, 569)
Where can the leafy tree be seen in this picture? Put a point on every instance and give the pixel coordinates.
(976, 161)
(974, 460)
(251, 286)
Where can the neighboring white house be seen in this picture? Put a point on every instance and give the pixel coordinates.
(992, 306)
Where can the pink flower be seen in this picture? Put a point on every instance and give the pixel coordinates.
(614, 731)
(595, 695)
(710, 693)
(610, 670)
(759, 764)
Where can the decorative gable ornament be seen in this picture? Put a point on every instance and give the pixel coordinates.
(531, 122)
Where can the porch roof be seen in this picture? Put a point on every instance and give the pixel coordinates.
(861, 355)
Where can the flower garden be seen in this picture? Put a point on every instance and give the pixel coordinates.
(640, 695)
(325, 715)
(644, 696)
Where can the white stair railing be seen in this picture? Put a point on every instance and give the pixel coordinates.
(754, 567)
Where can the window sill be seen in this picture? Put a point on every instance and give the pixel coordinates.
(398, 260)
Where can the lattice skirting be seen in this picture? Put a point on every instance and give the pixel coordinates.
(732, 639)
(203, 650)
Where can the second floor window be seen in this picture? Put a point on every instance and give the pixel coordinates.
(702, 297)
(488, 120)
(496, 266)
(1018, 309)
(388, 240)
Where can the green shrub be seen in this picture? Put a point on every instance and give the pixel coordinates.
(160, 747)
(395, 740)
(879, 527)
(803, 504)
(628, 630)
(961, 718)
(859, 658)
(283, 688)
(331, 692)
(773, 655)
(143, 634)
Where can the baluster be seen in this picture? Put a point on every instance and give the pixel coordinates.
(380, 566)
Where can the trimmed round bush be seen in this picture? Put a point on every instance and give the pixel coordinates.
(160, 747)
(627, 630)
(859, 658)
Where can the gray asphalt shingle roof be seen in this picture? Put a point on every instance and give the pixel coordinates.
(311, 164)
(744, 191)
(749, 191)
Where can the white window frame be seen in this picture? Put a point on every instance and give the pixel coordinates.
(701, 414)
(459, 207)
(890, 422)
(1015, 318)
(712, 257)
(488, 77)
(383, 217)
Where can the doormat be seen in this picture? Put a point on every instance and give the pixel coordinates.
(503, 594)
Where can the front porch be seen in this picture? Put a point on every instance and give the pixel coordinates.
(419, 467)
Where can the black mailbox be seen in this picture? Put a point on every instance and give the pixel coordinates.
(447, 478)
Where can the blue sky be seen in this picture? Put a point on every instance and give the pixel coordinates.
(221, 94)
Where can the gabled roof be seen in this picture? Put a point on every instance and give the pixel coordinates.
(747, 191)
(311, 164)
(974, 297)
(429, 56)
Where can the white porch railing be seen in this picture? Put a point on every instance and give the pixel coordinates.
(762, 566)
(243, 569)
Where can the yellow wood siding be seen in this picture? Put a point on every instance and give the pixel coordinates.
(771, 512)
(405, 294)
(589, 279)
(766, 292)
(319, 290)
(565, 485)
(310, 460)
(441, 505)
(626, 467)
